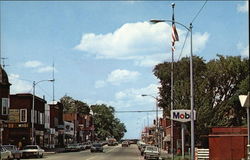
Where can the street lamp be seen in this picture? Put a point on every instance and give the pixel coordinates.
(189, 29)
(157, 124)
(33, 107)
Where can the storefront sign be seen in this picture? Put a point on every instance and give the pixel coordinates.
(68, 128)
(182, 115)
(14, 115)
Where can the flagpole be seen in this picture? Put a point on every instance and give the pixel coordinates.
(172, 91)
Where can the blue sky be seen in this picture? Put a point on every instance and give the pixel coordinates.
(104, 51)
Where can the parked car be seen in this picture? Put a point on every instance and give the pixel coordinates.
(32, 151)
(96, 147)
(151, 152)
(142, 149)
(140, 144)
(5, 154)
(125, 144)
(73, 147)
(83, 146)
(15, 153)
(88, 145)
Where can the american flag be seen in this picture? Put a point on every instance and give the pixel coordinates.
(175, 36)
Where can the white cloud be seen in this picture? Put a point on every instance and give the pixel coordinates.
(243, 8)
(132, 99)
(135, 94)
(244, 50)
(18, 85)
(45, 69)
(117, 77)
(139, 42)
(32, 64)
(39, 66)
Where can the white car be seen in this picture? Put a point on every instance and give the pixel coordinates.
(151, 152)
(5, 154)
(32, 150)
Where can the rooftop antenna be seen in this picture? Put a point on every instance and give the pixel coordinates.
(3, 59)
(53, 77)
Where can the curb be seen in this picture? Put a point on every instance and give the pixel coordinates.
(46, 153)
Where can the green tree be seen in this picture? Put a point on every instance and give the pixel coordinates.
(71, 105)
(217, 85)
(105, 123)
(226, 77)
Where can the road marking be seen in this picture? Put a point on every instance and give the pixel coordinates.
(112, 149)
(105, 152)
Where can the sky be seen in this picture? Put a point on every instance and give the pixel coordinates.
(104, 51)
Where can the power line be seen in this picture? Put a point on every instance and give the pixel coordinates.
(45, 91)
(183, 46)
(199, 12)
(136, 111)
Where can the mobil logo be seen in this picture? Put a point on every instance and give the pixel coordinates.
(182, 115)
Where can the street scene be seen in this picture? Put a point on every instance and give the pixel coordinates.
(109, 152)
(124, 80)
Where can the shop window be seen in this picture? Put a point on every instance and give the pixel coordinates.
(5, 106)
(23, 115)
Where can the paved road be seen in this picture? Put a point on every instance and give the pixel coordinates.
(110, 153)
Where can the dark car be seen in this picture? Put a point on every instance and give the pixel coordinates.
(16, 154)
(96, 147)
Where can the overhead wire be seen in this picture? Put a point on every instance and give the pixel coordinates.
(136, 111)
(45, 92)
(199, 11)
(183, 46)
(197, 14)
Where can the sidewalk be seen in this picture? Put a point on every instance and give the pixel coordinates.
(53, 150)
(165, 155)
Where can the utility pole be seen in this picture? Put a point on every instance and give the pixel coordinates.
(172, 93)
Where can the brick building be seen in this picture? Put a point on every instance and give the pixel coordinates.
(4, 100)
(83, 127)
(20, 124)
(56, 122)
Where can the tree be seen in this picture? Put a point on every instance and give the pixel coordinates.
(217, 85)
(71, 105)
(105, 123)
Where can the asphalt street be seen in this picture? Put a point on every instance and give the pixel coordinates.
(110, 153)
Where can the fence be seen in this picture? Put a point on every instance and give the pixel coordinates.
(201, 154)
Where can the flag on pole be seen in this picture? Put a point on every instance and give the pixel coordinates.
(175, 36)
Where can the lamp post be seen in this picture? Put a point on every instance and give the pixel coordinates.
(33, 108)
(189, 29)
(157, 123)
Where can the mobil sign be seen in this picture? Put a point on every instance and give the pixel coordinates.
(182, 115)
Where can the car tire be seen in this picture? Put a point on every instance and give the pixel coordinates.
(41, 156)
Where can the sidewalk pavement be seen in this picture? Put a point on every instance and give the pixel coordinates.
(164, 155)
(53, 150)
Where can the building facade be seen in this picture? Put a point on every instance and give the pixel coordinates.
(19, 126)
(4, 101)
(56, 124)
(82, 129)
